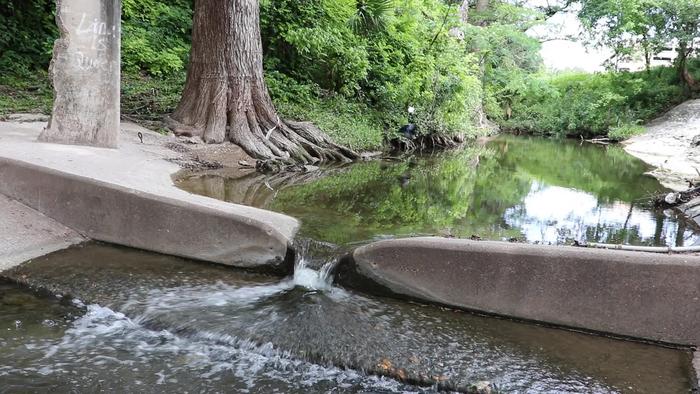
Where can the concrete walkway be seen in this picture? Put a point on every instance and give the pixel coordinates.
(26, 234)
(126, 196)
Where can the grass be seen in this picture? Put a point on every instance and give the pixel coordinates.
(349, 124)
(147, 100)
(30, 94)
(625, 131)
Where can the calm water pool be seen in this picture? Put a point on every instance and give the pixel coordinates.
(529, 189)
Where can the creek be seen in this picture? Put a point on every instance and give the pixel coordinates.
(143, 322)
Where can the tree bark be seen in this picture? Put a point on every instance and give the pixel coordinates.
(225, 95)
(464, 11)
(482, 5)
(683, 52)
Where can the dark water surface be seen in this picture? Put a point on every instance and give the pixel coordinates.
(162, 324)
(530, 189)
(142, 322)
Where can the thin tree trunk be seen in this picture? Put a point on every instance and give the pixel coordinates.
(464, 11)
(686, 77)
(225, 96)
(482, 5)
(647, 55)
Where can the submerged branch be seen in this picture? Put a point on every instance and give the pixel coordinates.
(648, 249)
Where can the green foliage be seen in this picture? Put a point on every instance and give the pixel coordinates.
(371, 15)
(578, 104)
(626, 26)
(381, 55)
(351, 66)
(625, 131)
(631, 26)
(27, 31)
(155, 35)
(509, 58)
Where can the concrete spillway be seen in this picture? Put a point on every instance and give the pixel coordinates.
(127, 197)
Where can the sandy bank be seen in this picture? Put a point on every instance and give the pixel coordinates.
(668, 145)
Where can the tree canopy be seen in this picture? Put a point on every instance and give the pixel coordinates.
(647, 26)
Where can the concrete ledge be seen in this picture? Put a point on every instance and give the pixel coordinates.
(26, 234)
(647, 296)
(126, 196)
(115, 214)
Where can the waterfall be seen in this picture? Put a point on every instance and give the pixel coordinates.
(315, 265)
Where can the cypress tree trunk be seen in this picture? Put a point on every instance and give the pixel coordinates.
(225, 96)
(482, 5)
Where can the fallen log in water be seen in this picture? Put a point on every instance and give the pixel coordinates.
(675, 199)
(648, 249)
(599, 141)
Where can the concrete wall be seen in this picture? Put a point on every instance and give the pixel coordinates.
(648, 296)
(85, 71)
(113, 213)
(26, 234)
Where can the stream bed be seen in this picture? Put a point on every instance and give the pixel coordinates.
(133, 321)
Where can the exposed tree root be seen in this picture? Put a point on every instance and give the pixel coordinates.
(225, 96)
(424, 143)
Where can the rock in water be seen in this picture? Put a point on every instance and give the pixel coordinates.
(696, 141)
(482, 387)
(671, 198)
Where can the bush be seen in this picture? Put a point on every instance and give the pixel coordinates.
(403, 58)
(156, 36)
(579, 104)
(27, 33)
(621, 133)
(348, 122)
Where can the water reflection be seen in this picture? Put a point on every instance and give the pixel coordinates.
(529, 189)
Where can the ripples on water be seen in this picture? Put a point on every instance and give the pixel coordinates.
(205, 328)
(106, 350)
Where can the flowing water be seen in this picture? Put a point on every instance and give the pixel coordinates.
(161, 324)
(142, 322)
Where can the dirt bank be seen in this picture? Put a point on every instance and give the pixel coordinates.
(670, 145)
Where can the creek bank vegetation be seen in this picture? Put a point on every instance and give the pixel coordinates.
(349, 67)
(614, 104)
(324, 79)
